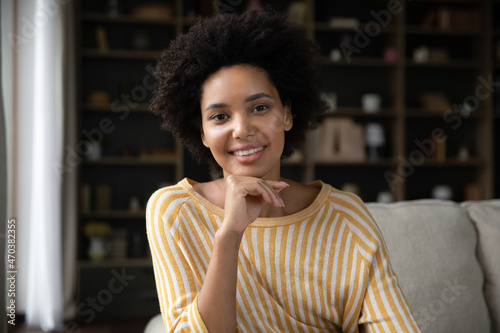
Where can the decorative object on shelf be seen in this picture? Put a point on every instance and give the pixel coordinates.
(351, 188)
(103, 197)
(343, 22)
(335, 55)
(391, 54)
(134, 204)
(98, 98)
(253, 5)
(297, 12)
(370, 102)
(141, 40)
(463, 153)
(297, 157)
(385, 197)
(472, 191)
(101, 39)
(442, 192)
(190, 10)
(438, 55)
(340, 140)
(114, 7)
(375, 138)
(421, 55)
(94, 152)
(118, 244)
(97, 231)
(434, 102)
(153, 11)
(439, 153)
(85, 198)
(446, 18)
(331, 98)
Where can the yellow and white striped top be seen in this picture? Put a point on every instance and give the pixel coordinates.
(323, 269)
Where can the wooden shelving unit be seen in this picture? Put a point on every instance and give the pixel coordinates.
(132, 168)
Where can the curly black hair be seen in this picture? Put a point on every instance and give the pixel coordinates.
(263, 39)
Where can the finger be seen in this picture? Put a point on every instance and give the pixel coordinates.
(256, 189)
(271, 192)
(274, 188)
(277, 185)
(266, 191)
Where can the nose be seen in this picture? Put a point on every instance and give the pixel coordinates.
(243, 127)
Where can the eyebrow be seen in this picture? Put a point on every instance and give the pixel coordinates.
(248, 99)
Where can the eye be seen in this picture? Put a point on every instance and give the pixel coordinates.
(218, 117)
(260, 108)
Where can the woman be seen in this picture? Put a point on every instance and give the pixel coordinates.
(251, 251)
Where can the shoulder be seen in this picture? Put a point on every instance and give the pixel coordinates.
(356, 215)
(166, 201)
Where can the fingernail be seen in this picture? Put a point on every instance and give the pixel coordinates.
(282, 202)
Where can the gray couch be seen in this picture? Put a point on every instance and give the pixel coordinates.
(447, 259)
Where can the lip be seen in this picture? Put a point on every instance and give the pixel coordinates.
(248, 158)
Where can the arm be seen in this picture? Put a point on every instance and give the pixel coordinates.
(380, 306)
(244, 199)
(177, 289)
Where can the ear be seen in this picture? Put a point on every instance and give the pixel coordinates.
(288, 121)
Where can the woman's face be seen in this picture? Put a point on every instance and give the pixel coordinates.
(244, 121)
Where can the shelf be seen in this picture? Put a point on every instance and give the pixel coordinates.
(423, 113)
(456, 64)
(359, 113)
(326, 27)
(452, 163)
(358, 61)
(125, 19)
(133, 161)
(115, 214)
(381, 162)
(87, 107)
(471, 2)
(137, 262)
(121, 54)
(417, 30)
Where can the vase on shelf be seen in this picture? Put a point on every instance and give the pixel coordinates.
(97, 248)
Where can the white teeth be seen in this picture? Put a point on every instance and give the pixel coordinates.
(247, 152)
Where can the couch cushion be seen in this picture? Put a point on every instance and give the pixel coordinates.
(432, 248)
(486, 217)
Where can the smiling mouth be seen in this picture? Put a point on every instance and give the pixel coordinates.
(247, 152)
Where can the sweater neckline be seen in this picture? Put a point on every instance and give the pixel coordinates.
(187, 184)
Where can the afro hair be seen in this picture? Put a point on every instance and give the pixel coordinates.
(263, 39)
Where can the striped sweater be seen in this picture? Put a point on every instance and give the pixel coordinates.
(323, 269)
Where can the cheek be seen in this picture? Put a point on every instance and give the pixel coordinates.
(275, 125)
(213, 137)
(272, 130)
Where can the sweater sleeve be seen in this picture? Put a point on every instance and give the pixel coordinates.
(175, 283)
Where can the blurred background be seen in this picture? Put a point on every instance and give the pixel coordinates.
(414, 94)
